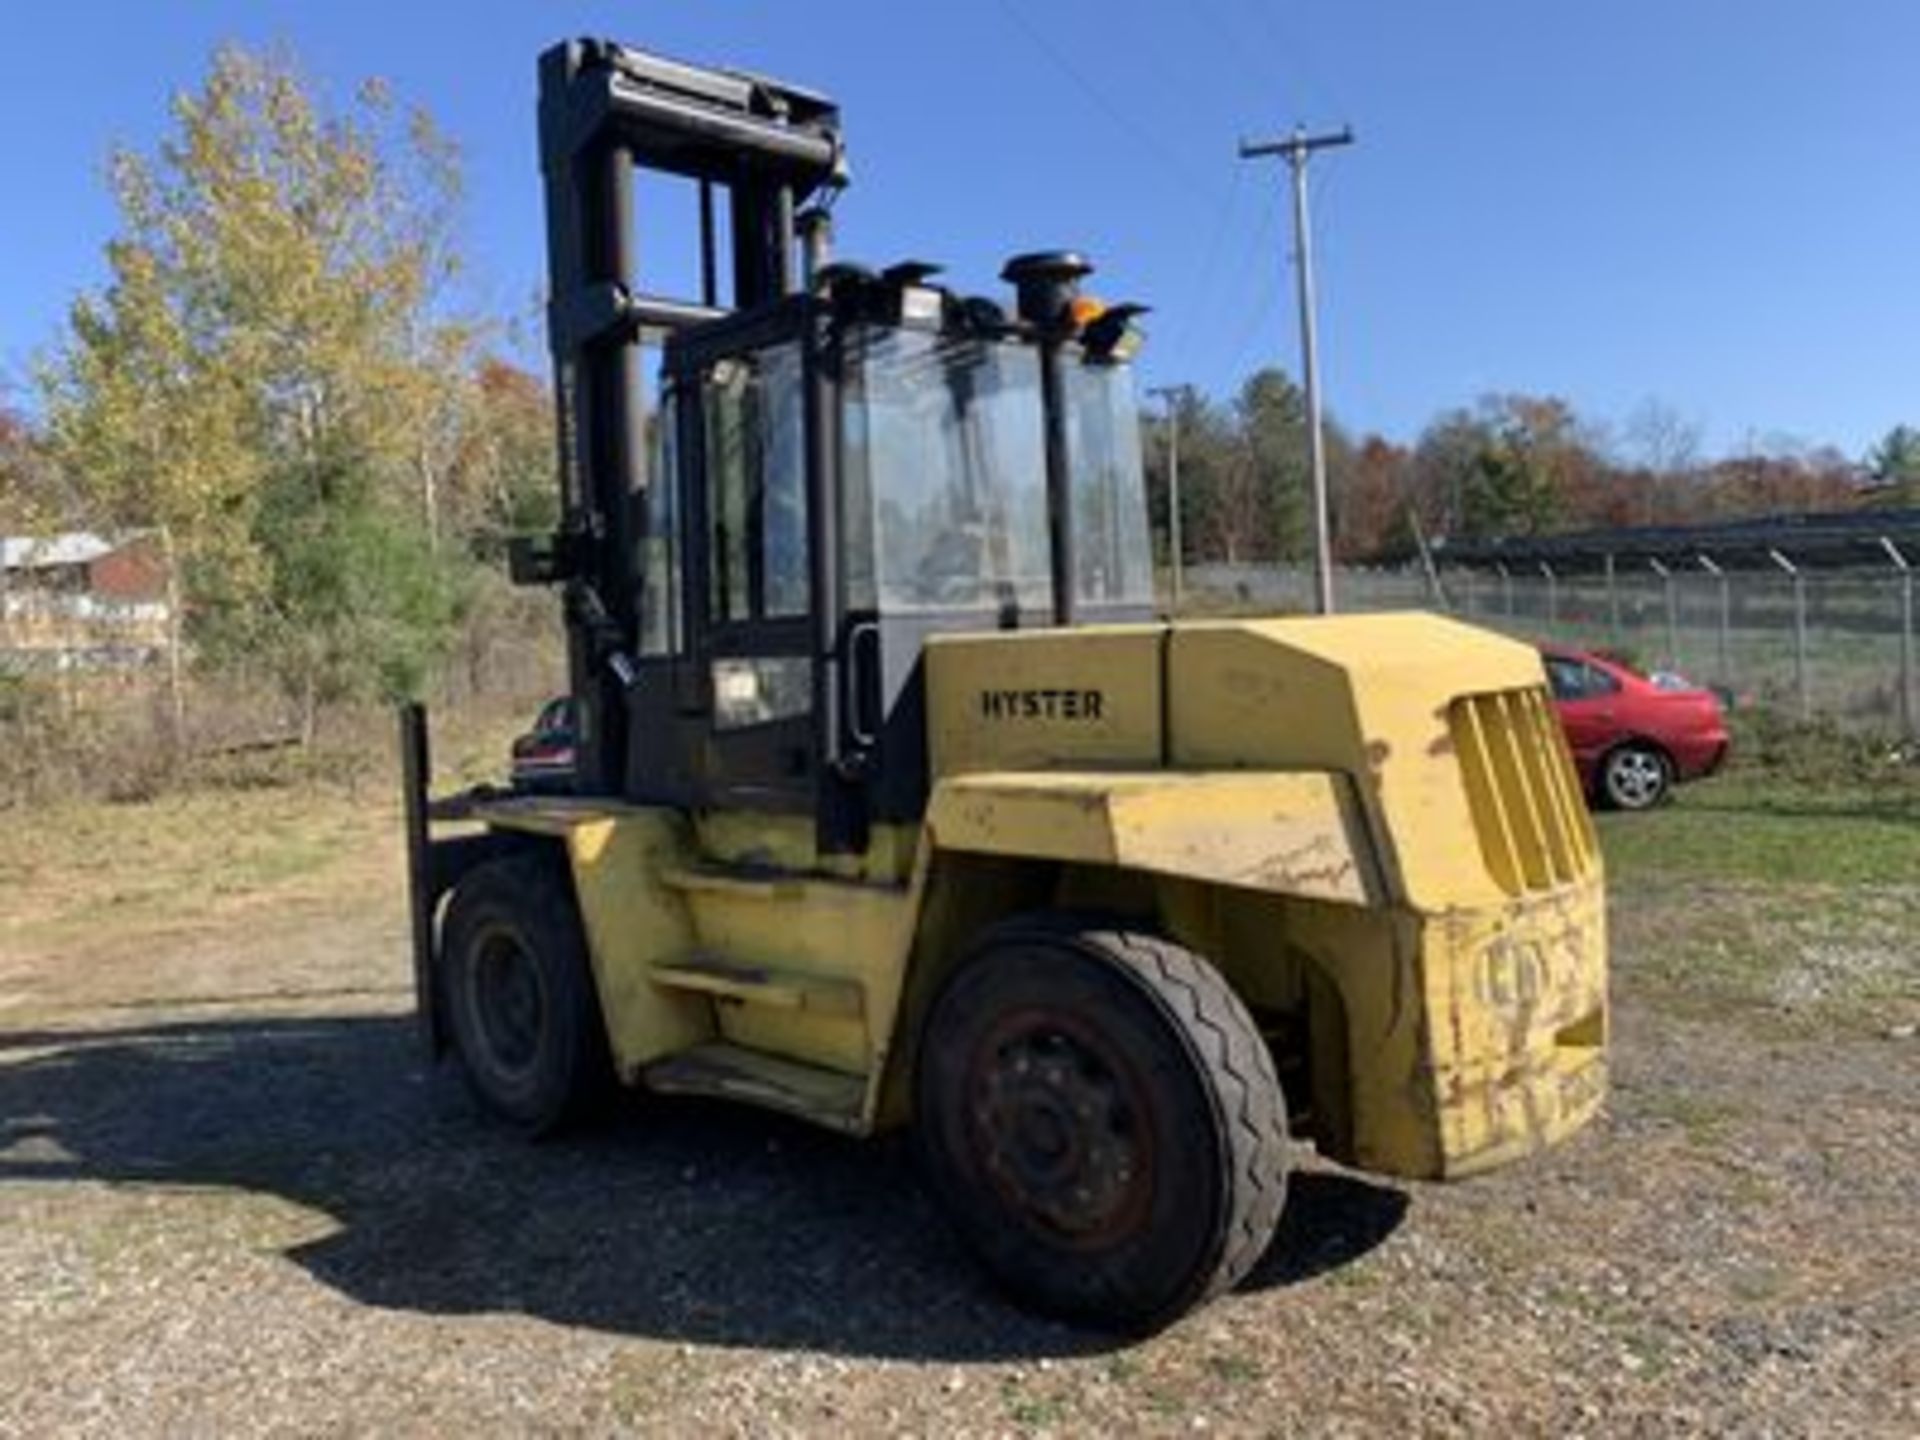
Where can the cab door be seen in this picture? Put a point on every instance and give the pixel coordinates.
(667, 703)
(748, 574)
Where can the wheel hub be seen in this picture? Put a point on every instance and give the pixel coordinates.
(1057, 1131)
(511, 1001)
(1636, 776)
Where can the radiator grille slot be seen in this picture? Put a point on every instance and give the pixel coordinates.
(1528, 811)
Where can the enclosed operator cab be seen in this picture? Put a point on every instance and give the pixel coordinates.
(896, 802)
(928, 490)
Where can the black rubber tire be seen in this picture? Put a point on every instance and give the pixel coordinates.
(517, 915)
(1635, 776)
(1144, 1042)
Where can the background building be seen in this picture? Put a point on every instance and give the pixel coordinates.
(82, 602)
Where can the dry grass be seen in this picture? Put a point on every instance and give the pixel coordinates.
(137, 904)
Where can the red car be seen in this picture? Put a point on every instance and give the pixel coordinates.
(543, 758)
(1633, 737)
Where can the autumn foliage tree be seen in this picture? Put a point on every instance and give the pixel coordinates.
(1509, 464)
(504, 471)
(1373, 509)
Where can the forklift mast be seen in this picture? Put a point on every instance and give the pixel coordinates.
(607, 110)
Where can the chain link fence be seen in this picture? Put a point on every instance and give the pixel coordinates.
(1834, 644)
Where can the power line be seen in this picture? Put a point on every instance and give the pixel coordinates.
(1292, 41)
(1263, 78)
(1202, 292)
(1254, 317)
(1158, 147)
(1154, 145)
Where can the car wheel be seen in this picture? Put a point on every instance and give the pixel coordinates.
(1635, 777)
(1100, 1116)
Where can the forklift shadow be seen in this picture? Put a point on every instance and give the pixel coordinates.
(684, 1222)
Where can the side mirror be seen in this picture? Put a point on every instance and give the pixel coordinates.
(544, 559)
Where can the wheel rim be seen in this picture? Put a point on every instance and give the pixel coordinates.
(1636, 777)
(510, 999)
(1060, 1128)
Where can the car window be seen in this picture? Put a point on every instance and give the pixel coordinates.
(1576, 680)
(1598, 681)
(1563, 676)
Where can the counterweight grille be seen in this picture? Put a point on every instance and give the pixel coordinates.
(1528, 811)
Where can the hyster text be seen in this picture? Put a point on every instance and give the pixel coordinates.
(1041, 704)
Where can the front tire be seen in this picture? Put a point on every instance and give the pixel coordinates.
(1635, 777)
(519, 995)
(1101, 1118)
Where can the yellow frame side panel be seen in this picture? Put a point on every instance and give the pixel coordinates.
(1287, 833)
(828, 928)
(632, 922)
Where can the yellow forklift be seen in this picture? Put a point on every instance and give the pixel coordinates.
(897, 804)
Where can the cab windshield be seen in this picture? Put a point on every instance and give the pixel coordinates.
(945, 474)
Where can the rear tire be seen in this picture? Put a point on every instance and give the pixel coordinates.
(519, 994)
(1099, 1115)
(1635, 777)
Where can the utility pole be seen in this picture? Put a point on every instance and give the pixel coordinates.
(1296, 149)
(1174, 396)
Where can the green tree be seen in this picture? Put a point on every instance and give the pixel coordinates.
(1244, 472)
(1444, 460)
(1209, 458)
(1895, 463)
(1513, 465)
(1270, 497)
(270, 376)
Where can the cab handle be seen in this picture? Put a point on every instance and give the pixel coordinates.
(863, 683)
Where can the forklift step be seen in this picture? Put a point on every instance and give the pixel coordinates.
(758, 985)
(731, 1072)
(749, 884)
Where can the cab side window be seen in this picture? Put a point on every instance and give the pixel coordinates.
(661, 632)
(756, 486)
(754, 436)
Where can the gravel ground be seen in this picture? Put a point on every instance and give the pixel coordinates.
(262, 1214)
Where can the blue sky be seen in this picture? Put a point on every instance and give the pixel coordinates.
(1708, 203)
